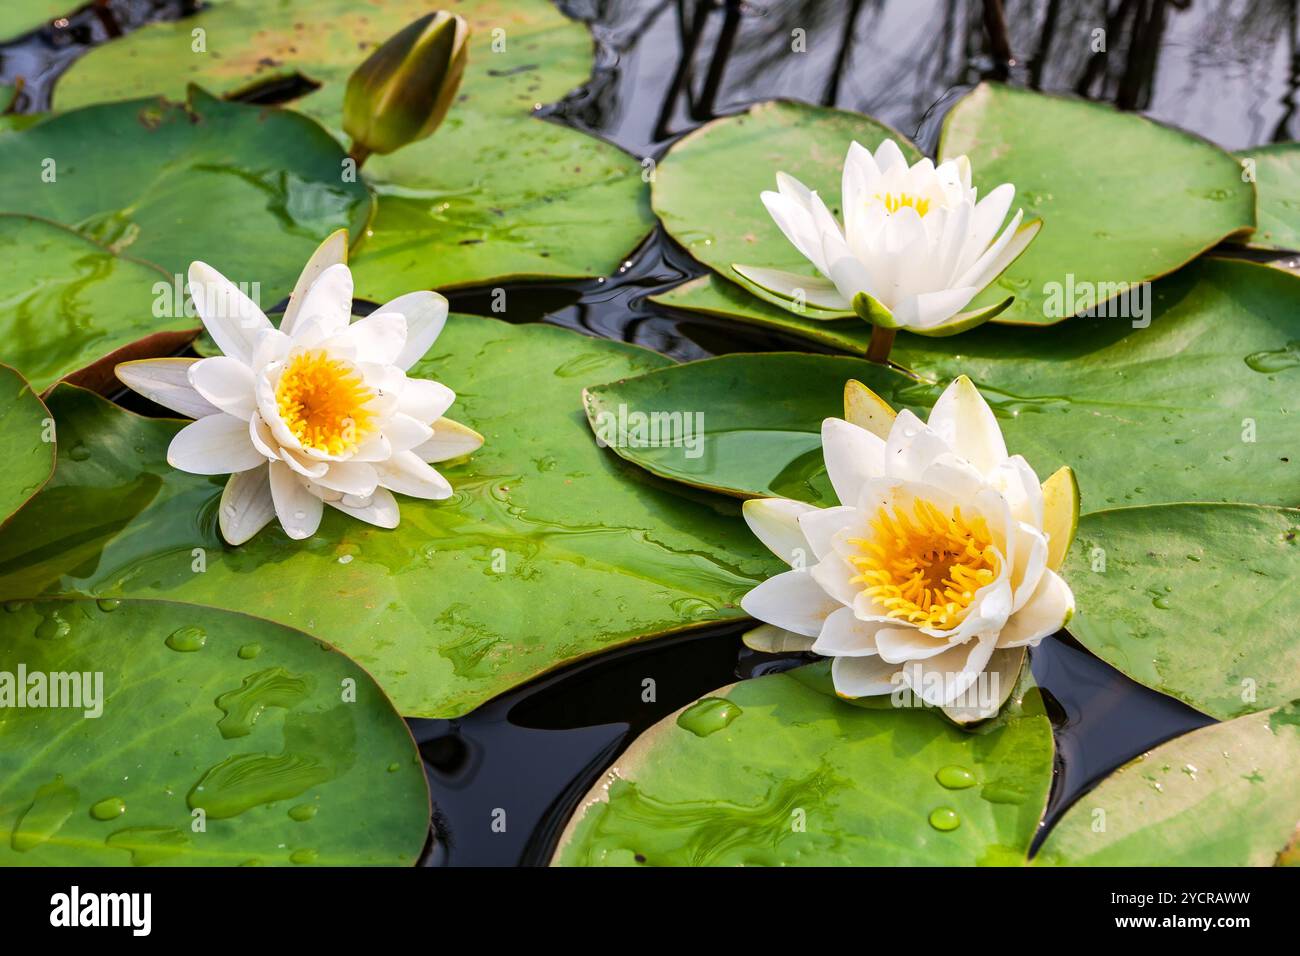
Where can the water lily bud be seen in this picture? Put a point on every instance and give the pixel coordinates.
(403, 90)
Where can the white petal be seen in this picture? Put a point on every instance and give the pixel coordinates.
(381, 510)
(297, 508)
(929, 309)
(404, 433)
(423, 400)
(796, 222)
(378, 338)
(767, 639)
(835, 576)
(889, 157)
(1030, 563)
(260, 435)
(775, 522)
(985, 222)
(912, 447)
(863, 676)
(232, 319)
(272, 346)
(246, 505)
(225, 382)
(852, 455)
(348, 477)
(843, 635)
(1001, 674)
(820, 526)
(426, 314)
(333, 251)
(214, 445)
(982, 267)
(792, 600)
(940, 679)
(166, 381)
(1046, 612)
(406, 474)
(901, 644)
(964, 420)
(327, 304)
(450, 440)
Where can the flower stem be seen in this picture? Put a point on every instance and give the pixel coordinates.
(882, 340)
(359, 154)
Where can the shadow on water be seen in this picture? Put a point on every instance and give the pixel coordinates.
(662, 68)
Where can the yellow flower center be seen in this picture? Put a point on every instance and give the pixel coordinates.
(925, 567)
(323, 401)
(894, 202)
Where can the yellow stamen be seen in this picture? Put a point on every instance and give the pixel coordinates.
(324, 402)
(925, 567)
(893, 202)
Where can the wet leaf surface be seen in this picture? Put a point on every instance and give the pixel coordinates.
(1223, 795)
(291, 751)
(24, 427)
(778, 771)
(552, 548)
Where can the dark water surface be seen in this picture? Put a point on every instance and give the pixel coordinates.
(1225, 69)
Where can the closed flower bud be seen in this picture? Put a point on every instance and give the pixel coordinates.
(403, 90)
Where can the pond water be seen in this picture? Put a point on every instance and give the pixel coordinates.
(665, 67)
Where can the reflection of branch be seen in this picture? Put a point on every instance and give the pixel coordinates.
(842, 55)
(1097, 62)
(718, 64)
(1044, 45)
(995, 25)
(1292, 80)
(1143, 53)
(690, 39)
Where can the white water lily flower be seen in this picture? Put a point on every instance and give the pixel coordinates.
(915, 249)
(944, 552)
(318, 412)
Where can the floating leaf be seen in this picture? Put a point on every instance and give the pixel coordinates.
(1223, 795)
(170, 183)
(163, 710)
(73, 307)
(778, 771)
(1203, 392)
(26, 442)
(1276, 169)
(551, 549)
(1151, 200)
(706, 190)
(496, 193)
(27, 15)
(711, 295)
(1193, 600)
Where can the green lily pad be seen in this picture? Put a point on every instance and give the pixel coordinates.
(1147, 201)
(166, 709)
(1207, 392)
(1193, 600)
(706, 190)
(494, 194)
(26, 442)
(550, 550)
(711, 295)
(1277, 170)
(169, 183)
(1224, 795)
(778, 771)
(27, 15)
(73, 307)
